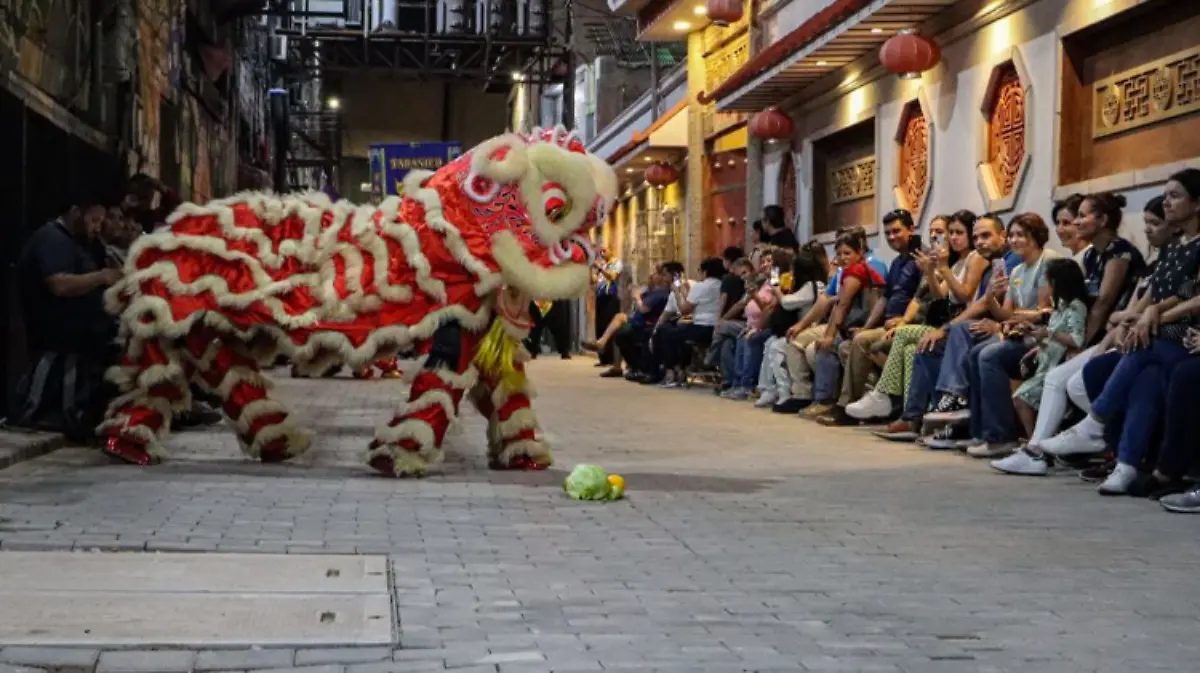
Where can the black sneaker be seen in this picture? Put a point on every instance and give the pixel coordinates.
(791, 405)
(949, 409)
(1097, 473)
(1147, 486)
(949, 437)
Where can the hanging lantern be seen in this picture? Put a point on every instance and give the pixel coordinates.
(660, 175)
(724, 12)
(908, 54)
(772, 124)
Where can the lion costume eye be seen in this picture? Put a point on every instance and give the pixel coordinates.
(556, 203)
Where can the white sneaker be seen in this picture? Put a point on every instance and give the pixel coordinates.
(1119, 481)
(767, 399)
(1072, 442)
(874, 404)
(1023, 462)
(991, 449)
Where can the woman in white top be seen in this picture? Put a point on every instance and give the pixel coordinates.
(698, 312)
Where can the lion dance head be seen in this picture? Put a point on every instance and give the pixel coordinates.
(525, 205)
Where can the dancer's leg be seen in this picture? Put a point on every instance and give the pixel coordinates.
(264, 427)
(412, 440)
(152, 384)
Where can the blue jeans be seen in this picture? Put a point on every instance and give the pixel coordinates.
(828, 369)
(922, 381)
(959, 342)
(991, 365)
(1138, 385)
(749, 358)
(1095, 375)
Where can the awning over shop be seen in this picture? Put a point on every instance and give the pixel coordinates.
(667, 132)
(831, 39)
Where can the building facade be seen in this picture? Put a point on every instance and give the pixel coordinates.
(1030, 101)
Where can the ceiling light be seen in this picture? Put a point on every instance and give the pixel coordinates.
(333, 103)
(628, 170)
(700, 10)
(876, 31)
(681, 25)
(820, 63)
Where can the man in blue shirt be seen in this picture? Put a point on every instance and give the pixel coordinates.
(939, 368)
(632, 338)
(902, 279)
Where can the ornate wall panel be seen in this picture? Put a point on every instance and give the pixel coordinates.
(719, 64)
(912, 175)
(1005, 133)
(1006, 130)
(1162, 89)
(852, 181)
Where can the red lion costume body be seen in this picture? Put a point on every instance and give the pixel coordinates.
(447, 271)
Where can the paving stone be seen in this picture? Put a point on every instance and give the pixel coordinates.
(146, 661)
(50, 657)
(749, 540)
(228, 660)
(6, 668)
(342, 655)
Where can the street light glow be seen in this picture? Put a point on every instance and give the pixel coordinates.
(334, 103)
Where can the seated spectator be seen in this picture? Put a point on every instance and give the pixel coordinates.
(1109, 266)
(796, 295)
(763, 301)
(951, 269)
(801, 355)
(731, 319)
(993, 363)
(1065, 215)
(900, 286)
(1153, 346)
(859, 288)
(1179, 453)
(61, 279)
(698, 310)
(778, 230)
(940, 365)
(633, 337)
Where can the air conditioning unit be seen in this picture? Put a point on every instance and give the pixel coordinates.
(278, 48)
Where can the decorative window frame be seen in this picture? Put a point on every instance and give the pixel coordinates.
(920, 101)
(993, 201)
(805, 168)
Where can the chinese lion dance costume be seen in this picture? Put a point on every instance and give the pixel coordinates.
(447, 271)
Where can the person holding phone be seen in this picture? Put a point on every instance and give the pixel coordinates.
(899, 287)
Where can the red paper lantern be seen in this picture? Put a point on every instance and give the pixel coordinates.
(661, 175)
(724, 12)
(772, 124)
(908, 54)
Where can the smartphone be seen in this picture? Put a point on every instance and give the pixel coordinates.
(678, 282)
(936, 241)
(775, 277)
(998, 268)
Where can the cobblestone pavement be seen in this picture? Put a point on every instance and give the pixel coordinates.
(749, 542)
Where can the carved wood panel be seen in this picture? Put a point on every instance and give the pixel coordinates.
(1166, 88)
(726, 60)
(1006, 131)
(914, 158)
(852, 181)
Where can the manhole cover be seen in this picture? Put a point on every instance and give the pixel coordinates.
(193, 600)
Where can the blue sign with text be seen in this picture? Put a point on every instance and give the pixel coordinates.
(390, 162)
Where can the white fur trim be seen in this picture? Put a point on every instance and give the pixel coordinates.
(533, 448)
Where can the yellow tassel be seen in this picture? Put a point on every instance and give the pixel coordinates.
(496, 357)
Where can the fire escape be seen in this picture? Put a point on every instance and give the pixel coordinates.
(489, 42)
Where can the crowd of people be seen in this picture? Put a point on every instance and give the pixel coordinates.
(62, 273)
(976, 337)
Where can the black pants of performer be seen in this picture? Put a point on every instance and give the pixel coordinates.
(633, 343)
(672, 343)
(607, 308)
(64, 392)
(557, 322)
(1179, 454)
